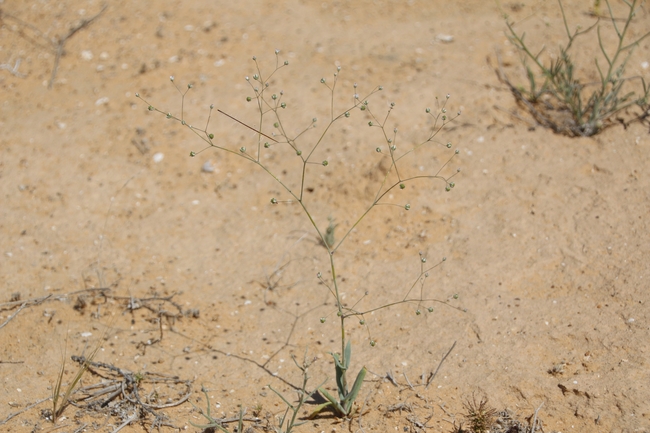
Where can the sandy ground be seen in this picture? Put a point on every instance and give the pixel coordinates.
(112, 237)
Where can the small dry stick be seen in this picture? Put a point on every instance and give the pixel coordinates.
(13, 315)
(22, 306)
(13, 70)
(433, 375)
(26, 408)
(407, 380)
(535, 418)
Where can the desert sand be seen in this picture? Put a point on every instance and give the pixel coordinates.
(113, 238)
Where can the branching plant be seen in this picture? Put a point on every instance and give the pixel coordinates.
(290, 419)
(559, 99)
(270, 106)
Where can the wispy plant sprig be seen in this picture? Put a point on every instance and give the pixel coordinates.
(270, 105)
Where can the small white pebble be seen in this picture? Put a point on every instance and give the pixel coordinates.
(102, 101)
(207, 167)
(441, 37)
(87, 55)
(189, 28)
(86, 334)
(645, 65)
(158, 156)
(195, 202)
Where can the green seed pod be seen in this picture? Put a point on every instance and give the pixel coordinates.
(447, 188)
(274, 96)
(418, 312)
(267, 145)
(211, 106)
(256, 77)
(362, 322)
(322, 80)
(283, 105)
(369, 123)
(314, 120)
(444, 259)
(457, 152)
(402, 186)
(423, 259)
(452, 184)
(242, 149)
(151, 108)
(362, 108)
(428, 110)
(276, 124)
(192, 154)
(347, 114)
(338, 313)
(430, 309)
(274, 201)
(325, 163)
(322, 320)
(455, 295)
(449, 145)
(372, 343)
(407, 207)
(183, 122)
(286, 63)
(378, 150)
(169, 115)
(381, 87)
(298, 152)
(210, 136)
(249, 99)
